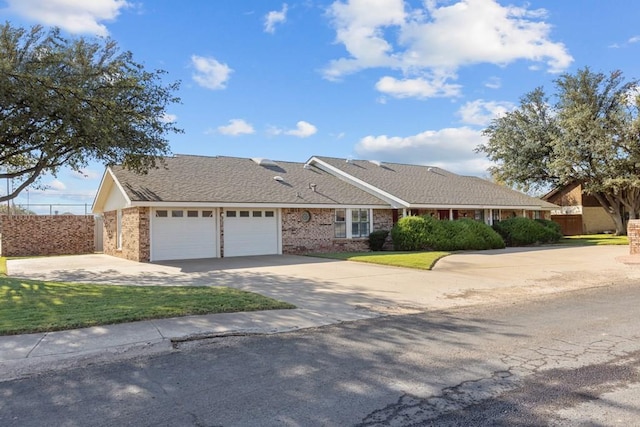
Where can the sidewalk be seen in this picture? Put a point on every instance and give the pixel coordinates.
(459, 282)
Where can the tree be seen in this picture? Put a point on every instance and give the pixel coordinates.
(65, 102)
(590, 135)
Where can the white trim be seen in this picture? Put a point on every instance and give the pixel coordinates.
(108, 172)
(212, 205)
(395, 202)
(469, 207)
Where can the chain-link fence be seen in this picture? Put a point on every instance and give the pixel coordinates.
(45, 209)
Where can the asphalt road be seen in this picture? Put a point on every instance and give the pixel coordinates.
(568, 359)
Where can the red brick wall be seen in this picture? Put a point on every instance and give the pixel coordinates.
(633, 233)
(38, 235)
(317, 235)
(136, 243)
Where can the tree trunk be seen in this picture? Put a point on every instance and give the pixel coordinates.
(614, 208)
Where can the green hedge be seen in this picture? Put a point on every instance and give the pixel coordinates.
(377, 239)
(416, 233)
(524, 232)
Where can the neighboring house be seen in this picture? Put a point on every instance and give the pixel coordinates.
(202, 207)
(578, 213)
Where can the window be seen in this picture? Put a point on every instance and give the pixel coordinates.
(495, 215)
(340, 223)
(192, 214)
(207, 214)
(177, 214)
(161, 214)
(352, 223)
(231, 214)
(119, 229)
(479, 215)
(269, 214)
(257, 214)
(244, 214)
(359, 222)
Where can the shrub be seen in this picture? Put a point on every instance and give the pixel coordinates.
(377, 239)
(410, 234)
(554, 226)
(420, 233)
(523, 232)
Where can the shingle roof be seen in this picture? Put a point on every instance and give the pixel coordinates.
(424, 185)
(189, 178)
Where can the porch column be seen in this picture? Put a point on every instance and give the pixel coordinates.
(450, 214)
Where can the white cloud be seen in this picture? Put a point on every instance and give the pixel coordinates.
(57, 185)
(417, 88)
(236, 127)
(75, 16)
(210, 73)
(493, 83)
(481, 112)
(275, 17)
(303, 130)
(86, 174)
(451, 149)
(168, 118)
(634, 39)
(428, 44)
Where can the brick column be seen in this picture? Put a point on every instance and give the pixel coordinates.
(633, 232)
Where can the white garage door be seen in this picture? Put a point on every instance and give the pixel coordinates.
(250, 232)
(183, 234)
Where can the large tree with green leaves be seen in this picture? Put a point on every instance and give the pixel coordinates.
(66, 102)
(589, 133)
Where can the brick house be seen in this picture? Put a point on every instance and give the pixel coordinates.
(578, 213)
(207, 207)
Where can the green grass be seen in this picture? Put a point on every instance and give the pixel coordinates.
(34, 306)
(421, 260)
(594, 239)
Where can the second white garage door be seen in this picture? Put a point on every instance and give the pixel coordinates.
(250, 232)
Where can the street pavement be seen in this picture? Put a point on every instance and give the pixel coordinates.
(324, 291)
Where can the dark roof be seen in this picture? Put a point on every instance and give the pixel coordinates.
(187, 178)
(426, 185)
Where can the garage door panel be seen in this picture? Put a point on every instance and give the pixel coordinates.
(250, 236)
(183, 238)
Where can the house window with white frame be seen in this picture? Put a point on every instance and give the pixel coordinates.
(359, 222)
(351, 223)
(340, 223)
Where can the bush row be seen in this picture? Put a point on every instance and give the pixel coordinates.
(416, 233)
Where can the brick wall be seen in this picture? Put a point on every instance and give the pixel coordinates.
(633, 232)
(35, 235)
(136, 243)
(317, 235)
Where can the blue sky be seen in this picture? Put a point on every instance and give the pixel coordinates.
(390, 80)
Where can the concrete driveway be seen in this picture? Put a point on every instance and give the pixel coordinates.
(342, 289)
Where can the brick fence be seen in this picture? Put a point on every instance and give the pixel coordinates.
(32, 235)
(633, 233)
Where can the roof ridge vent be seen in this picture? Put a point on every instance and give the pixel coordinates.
(262, 161)
(278, 178)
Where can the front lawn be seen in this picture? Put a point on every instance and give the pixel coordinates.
(421, 260)
(34, 306)
(594, 239)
